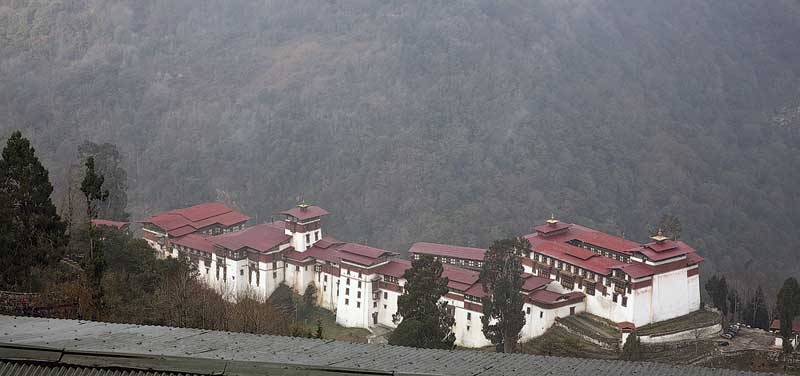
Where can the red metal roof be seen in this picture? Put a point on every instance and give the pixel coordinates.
(547, 297)
(476, 290)
(637, 269)
(227, 219)
(175, 222)
(307, 213)
(665, 250)
(325, 254)
(326, 242)
(363, 250)
(581, 253)
(564, 252)
(444, 250)
(181, 231)
(202, 211)
(166, 221)
(604, 240)
(549, 228)
(394, 268)
(776, 325)
(195, 241)
(294, 255)
(351, 252)
(261, 237)
(587, 235)
(108, 223)
(533, 282)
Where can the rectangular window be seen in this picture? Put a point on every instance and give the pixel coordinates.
(359, 284)
(358, 304)
(325, 288)
(274, 265)
(308, 238)
(374, 304)
(347, 281)
(347, 291)
(541, 314)
(241, 271)
(316, 235)
(297, 268)
(469, 316)
(384, 306)
(614, 297)
(358, 294)
(347, 302)
(624, 301)
(467, 327)
(325, 278)
(528, 311)
(385, 295)
(274, 275)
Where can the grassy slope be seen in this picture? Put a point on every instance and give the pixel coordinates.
(693, 320)
(332, 330)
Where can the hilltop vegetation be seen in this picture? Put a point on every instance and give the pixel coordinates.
(453, 122)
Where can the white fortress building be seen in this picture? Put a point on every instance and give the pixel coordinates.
(569, 269)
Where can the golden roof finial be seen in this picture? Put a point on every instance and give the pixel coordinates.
(302, 205)
(552, 221)
(659, 237)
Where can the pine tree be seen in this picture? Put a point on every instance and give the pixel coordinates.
(318, 334)
(109, 164)
(31, 232)
(425, 321)
(788, 304)
(733, 303)
(717, 289)
(95, 264)
(309, 299)
(632, 349)
(755, 313)
(502, 280)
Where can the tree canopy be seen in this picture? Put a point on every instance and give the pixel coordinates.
(109, 164)
(31, 232)
(501, 276)
(426, 321)
(717, 289)
(788, 306)
(756, 312)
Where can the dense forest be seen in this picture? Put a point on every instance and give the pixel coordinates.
(457, 121)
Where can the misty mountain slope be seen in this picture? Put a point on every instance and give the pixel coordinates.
(442, 121)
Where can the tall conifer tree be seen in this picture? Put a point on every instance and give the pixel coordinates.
(788, 308)
(426, 321)
(31, 232)
(108, 163)
(95, 264)
(502, 280)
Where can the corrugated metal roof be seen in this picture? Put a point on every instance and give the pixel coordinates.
(203, 344)
(36, 369)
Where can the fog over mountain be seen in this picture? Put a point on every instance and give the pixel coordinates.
(447, 121)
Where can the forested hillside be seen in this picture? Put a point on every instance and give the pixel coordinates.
(448, 121)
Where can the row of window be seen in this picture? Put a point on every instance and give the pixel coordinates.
(455, 261)
(599, 250)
